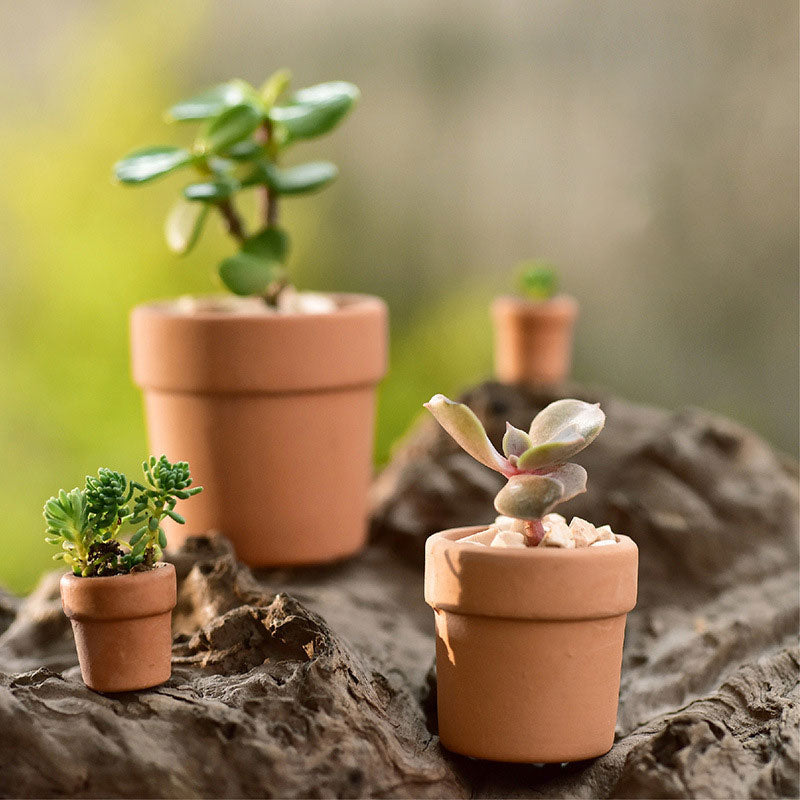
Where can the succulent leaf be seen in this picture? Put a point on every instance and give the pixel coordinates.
(301, 179)
(247, 274)
(184, 225)
(515, 441)
(572, 477)
(315, 110)
(528, 496)
(561, 430)
(468, 431)
(212, 102)
(233, 125)
(148, 163)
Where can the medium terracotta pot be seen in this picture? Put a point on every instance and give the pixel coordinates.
(528, 646)
(533, 341)
(122, 627)
(275, 414)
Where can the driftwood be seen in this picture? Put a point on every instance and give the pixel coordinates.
(318, 682)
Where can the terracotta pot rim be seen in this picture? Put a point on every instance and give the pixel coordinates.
(129, 596)
(536, 583)
(348, 304)
(560, 304)
(452, 535)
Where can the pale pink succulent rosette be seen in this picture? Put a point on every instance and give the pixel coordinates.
(535, 462)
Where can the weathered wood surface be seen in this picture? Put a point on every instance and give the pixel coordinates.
(317, 683)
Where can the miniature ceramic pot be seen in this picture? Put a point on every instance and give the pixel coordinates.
(528, 646)
(122, 627)
(275, 413)
(533, 341)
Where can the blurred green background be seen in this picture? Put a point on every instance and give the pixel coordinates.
(649, 149)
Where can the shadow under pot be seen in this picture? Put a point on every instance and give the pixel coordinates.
(276, 415)
(528, 646)
(123, 627)
(533, 340)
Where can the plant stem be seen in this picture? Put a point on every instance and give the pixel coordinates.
(232, 219)
(534, 532)
(269, 200)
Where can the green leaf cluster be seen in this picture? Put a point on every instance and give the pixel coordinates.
(537, 279)
(90, 525)
(534, 461)
(244, 132)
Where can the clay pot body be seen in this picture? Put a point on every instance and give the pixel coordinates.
(275, 415)
(533, 341)
(122, 627)
(528, 646)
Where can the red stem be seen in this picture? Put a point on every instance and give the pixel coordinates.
(534, 532)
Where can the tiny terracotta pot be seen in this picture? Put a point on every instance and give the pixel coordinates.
(122, 626)
(275, 415)
(528, 646)
(533, 341)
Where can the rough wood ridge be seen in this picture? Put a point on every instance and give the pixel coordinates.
(317, 683)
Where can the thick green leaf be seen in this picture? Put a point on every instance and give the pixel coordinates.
(315, 110)
(150, 162)
(213, 101)
(528, 496)
(246, 150)
(184, 225)
(270, 244)
(300, 179)
(275, 86)
(246, 274)
(210, 191)
(231, 126)
(468, 431)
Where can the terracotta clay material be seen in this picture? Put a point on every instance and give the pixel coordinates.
(533, 341)
(122, 627)
(275, 413)
(528, 646)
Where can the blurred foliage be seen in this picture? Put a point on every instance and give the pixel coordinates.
(651, 157)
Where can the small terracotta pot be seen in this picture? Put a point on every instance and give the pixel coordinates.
(275, 415)
(528, 646)
(533, 341)
(122, 627)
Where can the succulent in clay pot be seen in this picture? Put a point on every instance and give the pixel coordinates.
(118, 594)
(533, 328)
(530, 612)
(245, 385)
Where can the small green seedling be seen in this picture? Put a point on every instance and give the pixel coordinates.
(244, 134)
(537, 280)
(535, 463)
(90, 525)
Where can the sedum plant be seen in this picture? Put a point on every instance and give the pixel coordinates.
(90, 525)
(537, 280)
(244, 134)
(535, 462)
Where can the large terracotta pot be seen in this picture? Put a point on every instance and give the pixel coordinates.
(533, 340)
(528, 646)
(275, 414)
(122, 627)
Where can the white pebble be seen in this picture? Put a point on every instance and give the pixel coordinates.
(481, 537)
(508, 539)
(557, 534)
(583, 532)
(603, 542)
(604, 533)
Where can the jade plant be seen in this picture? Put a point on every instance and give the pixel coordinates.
(244, 134)
(540, 476)
(537, 280)
(113, 526)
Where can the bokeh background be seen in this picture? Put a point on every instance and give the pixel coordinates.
(649, 149)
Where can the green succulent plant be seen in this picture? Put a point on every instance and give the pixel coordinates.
(244, 133)
(537, 279)
(534, 461)
(88, 525)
